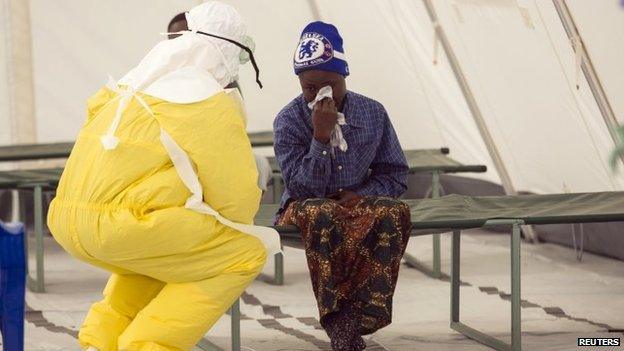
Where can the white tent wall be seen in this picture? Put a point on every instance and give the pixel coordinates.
(526, 90)
(521, 67)
(515, 55)
(423, 100)
(17, 115)
(589, 111)
(5, 94)
(389, 46)
(275, 26)
(77, 43)
(601, 25)
(17, 108)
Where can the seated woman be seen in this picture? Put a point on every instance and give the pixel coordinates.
(343, 167)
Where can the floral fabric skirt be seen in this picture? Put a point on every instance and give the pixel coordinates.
(354, 253)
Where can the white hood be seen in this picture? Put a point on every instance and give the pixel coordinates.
(192, 67)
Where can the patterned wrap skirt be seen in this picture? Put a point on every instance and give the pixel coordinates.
(354, 253)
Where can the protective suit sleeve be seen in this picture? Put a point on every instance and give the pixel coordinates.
(212, 133)
(97, 101)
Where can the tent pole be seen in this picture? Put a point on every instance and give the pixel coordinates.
(589, 71)
(475, 110)
(17, 79)
(316, 14)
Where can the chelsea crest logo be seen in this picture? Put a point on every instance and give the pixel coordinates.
(313, 49)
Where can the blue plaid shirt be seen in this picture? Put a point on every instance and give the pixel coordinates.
(373, 165)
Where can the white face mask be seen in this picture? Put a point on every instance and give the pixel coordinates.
(246, 49)
(226, 64)
(244, 56)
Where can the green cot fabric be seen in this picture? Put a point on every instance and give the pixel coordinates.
(22, 178)
(429, 160)
(458, 211)
(424, 160)
(35, 151)
(62, 150)
(463, 212)
(447, 212)
(434, 157)
(259, 139)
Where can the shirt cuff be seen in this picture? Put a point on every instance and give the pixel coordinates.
(320, 150)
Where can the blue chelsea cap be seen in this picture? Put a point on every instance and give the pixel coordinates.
(320, 48)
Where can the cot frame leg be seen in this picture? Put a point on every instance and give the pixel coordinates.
(235, 315)
(435, 271)
(455, 277)
(235, 320)
(278, 264)
(278, 278)
(37, 284)
(483, 338)
(278, 189)
(278, 271)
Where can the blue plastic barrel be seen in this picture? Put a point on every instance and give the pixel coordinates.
(12, 285)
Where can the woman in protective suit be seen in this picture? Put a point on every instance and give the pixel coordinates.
(161, 190)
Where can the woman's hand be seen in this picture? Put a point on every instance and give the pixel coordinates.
(324, 119)
(345, 198)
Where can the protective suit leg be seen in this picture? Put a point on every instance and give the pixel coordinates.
(205, 303)
(124, 296)
(166, 324)
(203, 266)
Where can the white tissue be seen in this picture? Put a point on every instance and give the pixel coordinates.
(336, 139)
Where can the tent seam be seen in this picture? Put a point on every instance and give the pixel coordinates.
(574, 95)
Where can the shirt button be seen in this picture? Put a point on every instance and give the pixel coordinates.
(340, 167)
(324, 152)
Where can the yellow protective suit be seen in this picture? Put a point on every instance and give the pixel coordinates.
(175, 271)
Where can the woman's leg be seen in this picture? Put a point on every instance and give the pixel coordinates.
(124, 296)
(380, 258)
(354, 256)
(322, 237)
(329, 250)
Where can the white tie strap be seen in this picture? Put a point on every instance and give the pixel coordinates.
(184, 167)
(109, 140)
(182, 163)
